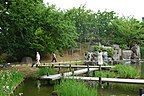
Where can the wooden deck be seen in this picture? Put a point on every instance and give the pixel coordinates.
(115, 80)
(74, 66)
(77, 72)
(64, 62)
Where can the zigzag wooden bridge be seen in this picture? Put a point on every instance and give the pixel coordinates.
(68, 75)
(77, 72)
(74, 66)
(114, 80)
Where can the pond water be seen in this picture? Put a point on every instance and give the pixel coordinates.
(30, 88)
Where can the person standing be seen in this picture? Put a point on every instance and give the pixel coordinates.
(38, 58)
(54, 59)
(100, 58)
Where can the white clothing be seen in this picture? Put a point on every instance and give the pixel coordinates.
(100, 58)
(38, 57)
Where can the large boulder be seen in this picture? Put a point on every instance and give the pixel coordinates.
(26, 60)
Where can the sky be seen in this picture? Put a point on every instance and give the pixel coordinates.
(133, 8)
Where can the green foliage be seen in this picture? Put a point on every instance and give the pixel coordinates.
(127, 31)
(27, 26)
(109, 50)
(8, 81)
(105, 74)
(3, 58)
(31, 26)
(126, 71)
(74, 88)
(104, 20)
(84, 22)
(142, 52)
(45, 71)
(128, 88)
(122, 71)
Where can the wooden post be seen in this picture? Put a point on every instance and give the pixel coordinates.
(47, 74)
(107, 82)
(70, 67)
(93, 74)
(142, 70)
(62, 74)
(76, 66)
(73, 73)
(59, 80)
(99, 67)
(100, 82)
(59, 68)
(141, 92)
(88, 69)
(52, 66)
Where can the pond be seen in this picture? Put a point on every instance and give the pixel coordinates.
(30, 88)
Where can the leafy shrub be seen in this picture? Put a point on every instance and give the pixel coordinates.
(126, 71)
(45, 70)
(74, 88)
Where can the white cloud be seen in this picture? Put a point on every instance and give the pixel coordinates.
(122, 7)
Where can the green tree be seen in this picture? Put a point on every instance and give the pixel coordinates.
(127, 31)
(84, 22)
(28, 26)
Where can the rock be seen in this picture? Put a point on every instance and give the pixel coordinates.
(27, 60)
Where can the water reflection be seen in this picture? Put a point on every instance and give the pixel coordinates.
(33, 87)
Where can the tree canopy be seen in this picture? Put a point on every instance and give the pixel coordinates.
(27, 26)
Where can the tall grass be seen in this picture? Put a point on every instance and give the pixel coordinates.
(123, 71)
(126, 71)
(8, 81)
(105, 74)
(74, 88)
(45, 71)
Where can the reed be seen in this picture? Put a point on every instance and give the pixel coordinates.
(105, 74)
(45, 71)
(126, 71)
(74, 88)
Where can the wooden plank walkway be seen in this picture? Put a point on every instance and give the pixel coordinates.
(77, 72)
(115, 80)
(73, 66)
(64, 62)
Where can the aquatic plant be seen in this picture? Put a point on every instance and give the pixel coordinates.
(74, 88)
(105, 74)
(8, 81)
(126, 71)
(127, 87)
(45, 71)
